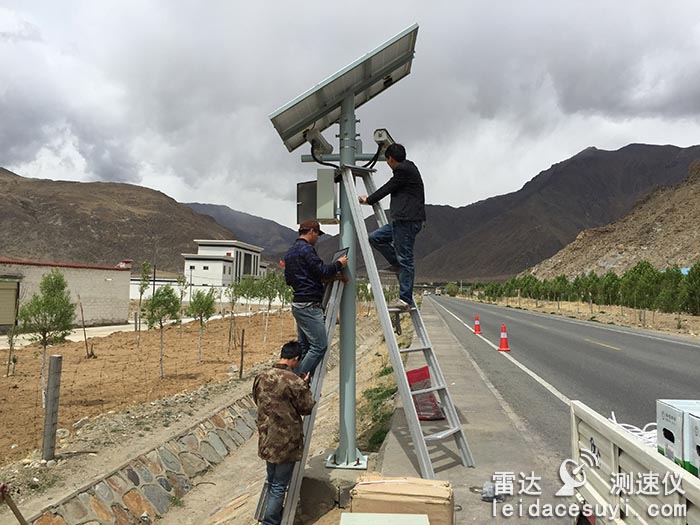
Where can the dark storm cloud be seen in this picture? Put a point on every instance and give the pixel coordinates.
(156, 91)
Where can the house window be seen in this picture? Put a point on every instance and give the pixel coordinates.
(191, 266)
(206, 268)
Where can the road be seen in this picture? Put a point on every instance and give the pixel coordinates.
(556, 359)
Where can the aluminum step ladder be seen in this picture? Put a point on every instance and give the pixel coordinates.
(331, 309)
(424, 346)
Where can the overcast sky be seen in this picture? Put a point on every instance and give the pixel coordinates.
(175, 95)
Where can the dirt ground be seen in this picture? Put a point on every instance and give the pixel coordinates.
(123, 375)
(130, 408)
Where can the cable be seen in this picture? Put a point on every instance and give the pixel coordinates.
(319, 160)
(646, 435)
(372, 162)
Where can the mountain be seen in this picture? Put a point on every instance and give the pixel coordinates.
(97, 223)
(501, 236)
(663, 229)
(275, 238)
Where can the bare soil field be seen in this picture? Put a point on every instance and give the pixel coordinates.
(123, 375)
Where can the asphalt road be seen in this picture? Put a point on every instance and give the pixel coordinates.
(609, 368)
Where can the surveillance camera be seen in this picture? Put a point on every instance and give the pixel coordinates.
(383, 139)
(319, 145)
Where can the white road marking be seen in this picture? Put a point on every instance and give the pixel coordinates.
(556, 393)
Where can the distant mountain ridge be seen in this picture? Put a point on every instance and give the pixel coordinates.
(97, 223)
(274, 237)
(663, 229)
(103, 222)
(501, 236)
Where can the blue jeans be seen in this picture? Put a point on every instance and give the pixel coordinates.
(278, 477)
(311, 331)
(395, 242)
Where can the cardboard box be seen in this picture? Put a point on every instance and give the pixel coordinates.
(673, 436)
(372, 518)
(694, 446)
(374, 493)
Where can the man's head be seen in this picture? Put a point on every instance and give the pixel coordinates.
(310, 230)
(290, 354)
(395, 154)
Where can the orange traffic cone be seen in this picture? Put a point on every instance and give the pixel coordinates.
(504, 340)
(477, 326)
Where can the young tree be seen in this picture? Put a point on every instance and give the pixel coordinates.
(691, 290)
(246, 289)
(143, 286)
(160, 308)
(285, 293)
(202, 306)
(182, 288)
(50, 315)
(451, 289)
(268, 291)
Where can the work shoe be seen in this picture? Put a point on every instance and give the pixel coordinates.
(390, 269)
(399, 304)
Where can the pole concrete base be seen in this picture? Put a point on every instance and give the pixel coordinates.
(359, 464)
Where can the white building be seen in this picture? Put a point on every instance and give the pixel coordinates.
(220, 262)
(216, 264)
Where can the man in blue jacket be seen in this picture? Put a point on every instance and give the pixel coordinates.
(395, 240)
(305, 272)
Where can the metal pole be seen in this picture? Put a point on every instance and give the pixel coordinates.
(48, 448)
(347, 455)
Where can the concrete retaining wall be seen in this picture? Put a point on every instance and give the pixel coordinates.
(150, 483)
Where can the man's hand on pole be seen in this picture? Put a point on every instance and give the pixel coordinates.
(363, 199)
(4, 489)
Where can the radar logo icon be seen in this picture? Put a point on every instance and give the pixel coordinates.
(572, 474)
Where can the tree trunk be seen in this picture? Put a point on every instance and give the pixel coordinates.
(267, 320)
(11, 348)
(230, 334)
(199, 345)
(161, 350)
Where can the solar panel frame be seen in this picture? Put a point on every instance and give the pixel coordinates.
(365, 78)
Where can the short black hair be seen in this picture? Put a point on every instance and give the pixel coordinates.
(290, 350)
(396, 151)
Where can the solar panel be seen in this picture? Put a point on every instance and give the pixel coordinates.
(319, 107)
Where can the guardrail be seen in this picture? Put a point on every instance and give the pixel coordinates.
(633, 482)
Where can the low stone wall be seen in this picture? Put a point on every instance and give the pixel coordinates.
(149, 484)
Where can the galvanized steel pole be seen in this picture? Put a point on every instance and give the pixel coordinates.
(347, 455)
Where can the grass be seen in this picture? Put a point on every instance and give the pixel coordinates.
(387, 370)
(377, 408)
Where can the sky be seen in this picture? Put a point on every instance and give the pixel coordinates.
(175, 95)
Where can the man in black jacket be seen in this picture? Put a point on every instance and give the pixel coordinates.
(305, 272)
(395, 240)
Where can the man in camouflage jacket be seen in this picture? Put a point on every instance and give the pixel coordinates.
(282, 398)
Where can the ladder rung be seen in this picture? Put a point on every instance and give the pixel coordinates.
(438, 436)
(413, 349)
(427, 390)
(402, 310)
